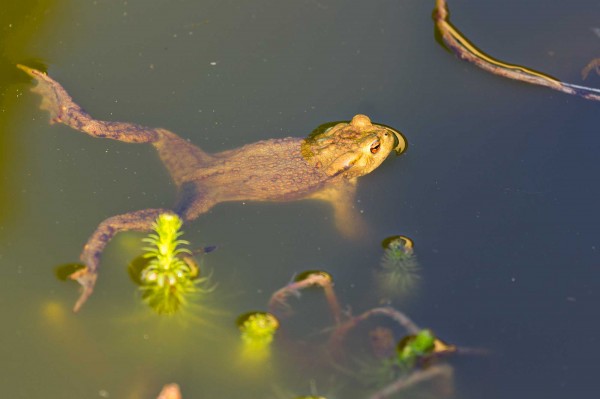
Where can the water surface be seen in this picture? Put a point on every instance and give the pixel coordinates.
(497, 190)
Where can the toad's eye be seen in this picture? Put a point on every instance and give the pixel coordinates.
(375, 147)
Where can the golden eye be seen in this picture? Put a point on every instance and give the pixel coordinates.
(375, 147)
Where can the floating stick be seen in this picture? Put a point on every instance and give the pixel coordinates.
(464, 49)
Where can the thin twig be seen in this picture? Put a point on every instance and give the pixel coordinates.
(278, 304)
(339, 333)
(416, 377)
(592, 65)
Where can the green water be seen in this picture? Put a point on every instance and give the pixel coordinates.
(497, 190)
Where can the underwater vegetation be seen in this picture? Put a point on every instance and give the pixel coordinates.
(366, 355)
(415, 347)
(398, 274)
(170, 276)
(391, 367)
(424, 347)
(371, 356)
(167, 273)
(257, 328)
(415, 360)
(380, 358)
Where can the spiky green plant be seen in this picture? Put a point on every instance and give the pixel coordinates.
(399, 272)
(258, 328)
(167, 279)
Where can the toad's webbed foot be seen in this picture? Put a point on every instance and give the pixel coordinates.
(92, 251)
(87, 280)
(62, 109)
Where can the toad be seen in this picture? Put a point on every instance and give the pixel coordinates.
(323, 166)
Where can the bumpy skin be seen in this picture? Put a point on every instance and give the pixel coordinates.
(323, 166)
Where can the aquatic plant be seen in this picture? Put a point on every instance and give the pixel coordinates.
(413, 347)
(257, 332)
(170, 275)
(399, 271)
(257, 328)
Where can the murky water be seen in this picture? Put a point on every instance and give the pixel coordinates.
(497, 190)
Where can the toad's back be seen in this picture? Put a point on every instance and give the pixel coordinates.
(266, 170)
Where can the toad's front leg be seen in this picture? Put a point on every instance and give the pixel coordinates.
(92, 251)
(348, 220)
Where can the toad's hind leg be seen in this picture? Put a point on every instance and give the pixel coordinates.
(57, 101)
(180, 157)
(92, 251)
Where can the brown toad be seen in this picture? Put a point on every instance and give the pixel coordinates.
(323, 166)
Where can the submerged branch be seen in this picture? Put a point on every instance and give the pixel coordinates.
(443, 371)
(592, 65)
(278, 304)
(464, 49)
(339, 333)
